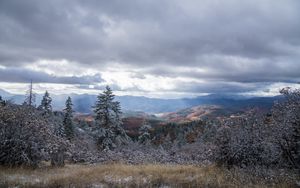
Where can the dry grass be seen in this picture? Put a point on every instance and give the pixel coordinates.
(120, 175)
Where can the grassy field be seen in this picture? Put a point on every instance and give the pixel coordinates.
(120, 175)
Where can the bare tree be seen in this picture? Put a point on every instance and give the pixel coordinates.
(30, 96)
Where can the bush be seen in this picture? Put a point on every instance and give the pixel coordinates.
(252, 139)
(26, 137)
(245, 141)
(286, 126)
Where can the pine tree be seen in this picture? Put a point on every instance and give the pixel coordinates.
(68, 122)
(144, 137)
(105, 109)
(30, 97)
(110, 134)
(46, 103)
(168, 143)
(2, 102)
(60, 131)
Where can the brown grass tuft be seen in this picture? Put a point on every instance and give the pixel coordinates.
(121, 175)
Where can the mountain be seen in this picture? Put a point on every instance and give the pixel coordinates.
(83, 102)
(192, 114)
(4, 93)
(154, 105)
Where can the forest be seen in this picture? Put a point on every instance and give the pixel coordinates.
(265, 145)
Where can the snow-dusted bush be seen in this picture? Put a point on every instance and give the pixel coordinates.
(26, 138)
(253, 139)
(20, 141)
(245, 141)
(286, 126)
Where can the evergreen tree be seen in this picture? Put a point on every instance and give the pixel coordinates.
(2, 102)
(107, 111)
(168, 143)
(46, 103)
(68, 122)
(144, 137)
(109, 131)
(60, 131)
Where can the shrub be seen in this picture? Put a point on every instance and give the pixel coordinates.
(26, 137)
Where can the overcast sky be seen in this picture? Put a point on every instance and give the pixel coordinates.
(158, 48)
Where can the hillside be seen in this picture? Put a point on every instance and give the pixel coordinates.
(192, 114)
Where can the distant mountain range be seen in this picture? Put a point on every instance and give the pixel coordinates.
(83, 102)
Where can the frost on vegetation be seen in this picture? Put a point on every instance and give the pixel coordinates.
(245, 140)
(26, 137)
(109, 132)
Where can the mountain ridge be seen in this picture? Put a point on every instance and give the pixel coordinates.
(83, 102)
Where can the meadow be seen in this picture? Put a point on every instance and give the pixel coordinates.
(151, 175)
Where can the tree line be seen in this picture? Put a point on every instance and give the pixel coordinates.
(30, 134)
(17, 124)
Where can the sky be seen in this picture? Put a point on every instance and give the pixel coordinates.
(154, 48)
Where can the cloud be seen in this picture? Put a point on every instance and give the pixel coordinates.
(222, 43)
(17, 75)
(215, 87)
(137, 75)
(235, 69)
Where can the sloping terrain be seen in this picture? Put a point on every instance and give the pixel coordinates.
(191, 114)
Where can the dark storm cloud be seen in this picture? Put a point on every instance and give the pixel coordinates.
(236, 70)
(252, 41)
(16, 75)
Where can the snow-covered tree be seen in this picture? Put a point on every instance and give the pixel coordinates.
(68, 119)
(45, 105)
(167, 142)
(144, 137)
(110, 134)
(106, 109)
(2, 102)
(60, 130)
